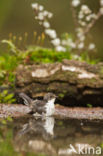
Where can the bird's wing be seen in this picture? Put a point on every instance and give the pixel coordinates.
(38, 106)
(39, 103)
(41, 110)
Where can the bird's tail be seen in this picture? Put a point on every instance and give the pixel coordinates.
(27, 100)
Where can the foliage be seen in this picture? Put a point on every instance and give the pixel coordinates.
(6, 97)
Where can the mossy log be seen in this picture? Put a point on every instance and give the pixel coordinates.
(76, 83)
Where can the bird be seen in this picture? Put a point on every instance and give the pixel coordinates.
(41, 107)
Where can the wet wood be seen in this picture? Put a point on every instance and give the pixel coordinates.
(79, 113)
(60, 112)
(13, 110)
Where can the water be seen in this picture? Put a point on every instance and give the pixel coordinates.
(29, 136)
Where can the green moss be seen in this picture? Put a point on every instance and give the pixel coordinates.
(89, 105)
(48, 55)
(61, 95)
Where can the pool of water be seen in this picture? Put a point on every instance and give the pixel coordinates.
(30, 136)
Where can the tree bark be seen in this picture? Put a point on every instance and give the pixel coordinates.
(76, 83)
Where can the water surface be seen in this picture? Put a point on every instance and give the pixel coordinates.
(48, 136)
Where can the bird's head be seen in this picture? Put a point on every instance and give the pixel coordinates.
(49, 97)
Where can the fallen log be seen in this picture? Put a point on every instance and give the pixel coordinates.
(18, 110)
(76, 83)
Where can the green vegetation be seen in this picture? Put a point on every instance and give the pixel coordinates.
(12, 57)
(89, 105)
(48, 55)
(6, 97)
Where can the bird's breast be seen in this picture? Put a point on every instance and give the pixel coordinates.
(50, 108)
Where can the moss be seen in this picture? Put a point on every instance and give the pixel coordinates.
(89, 105)
(61, 95)
(64, 91)
(88, 81)
(48, 56)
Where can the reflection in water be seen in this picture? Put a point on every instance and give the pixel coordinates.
(42, 126)
(49, 137)
(39, 135)
(34, 135)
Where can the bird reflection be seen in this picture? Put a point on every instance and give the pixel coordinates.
(39, 127)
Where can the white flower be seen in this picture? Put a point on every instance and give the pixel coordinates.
(82, 23)
(91, 16)
(56, 42)
(82, 37)
(41, 8)
(50, 15)
(85, 9)
(69, 42)
(40, 16)
(80, 33)
(45, 13)
(75, 3)
(51, 33)
(101, 2)
(101, 10)
(81, 15)
(81, 45)
(91, 46)
(88, 18)
(73, 45)
(46, 24)
(60, 48)
(34, 5)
